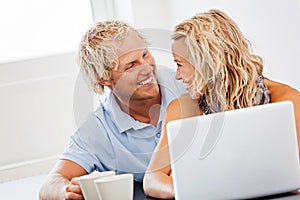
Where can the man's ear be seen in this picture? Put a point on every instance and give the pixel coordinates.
(107, 83)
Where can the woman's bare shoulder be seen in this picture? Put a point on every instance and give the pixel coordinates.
(182, 107)
(280, 91)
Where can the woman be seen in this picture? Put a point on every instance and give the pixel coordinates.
(216, 64)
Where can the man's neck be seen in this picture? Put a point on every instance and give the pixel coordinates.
(146, 111)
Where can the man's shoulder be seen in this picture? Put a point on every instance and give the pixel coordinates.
(94, 118)
(94, 125)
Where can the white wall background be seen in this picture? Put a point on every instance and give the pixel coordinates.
(37, 76)
(36, 107)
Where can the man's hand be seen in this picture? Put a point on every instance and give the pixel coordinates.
(62, 182)
(73, 190)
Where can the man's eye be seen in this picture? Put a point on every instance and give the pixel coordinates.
(145, 53)
(129, 67)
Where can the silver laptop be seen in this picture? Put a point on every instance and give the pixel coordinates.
(239, 154)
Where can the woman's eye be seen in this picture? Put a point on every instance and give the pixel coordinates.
(179, 65)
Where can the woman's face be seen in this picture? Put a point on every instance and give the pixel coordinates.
(185, 70)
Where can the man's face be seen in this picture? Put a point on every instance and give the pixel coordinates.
(135, 77)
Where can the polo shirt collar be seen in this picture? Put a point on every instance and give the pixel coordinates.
(122, 120)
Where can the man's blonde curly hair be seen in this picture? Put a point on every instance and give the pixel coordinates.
(226, 70)
(97, 54)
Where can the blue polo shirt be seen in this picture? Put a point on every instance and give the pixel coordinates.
(110, 139)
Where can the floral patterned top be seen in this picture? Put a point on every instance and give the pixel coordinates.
(262, 95)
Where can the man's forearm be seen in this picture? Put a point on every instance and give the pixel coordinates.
(53, 188)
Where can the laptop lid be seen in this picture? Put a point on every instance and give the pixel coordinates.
(244, 153)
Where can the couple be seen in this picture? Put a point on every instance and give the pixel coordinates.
(216, 65)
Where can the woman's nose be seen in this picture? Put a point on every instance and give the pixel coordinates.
(178, 75)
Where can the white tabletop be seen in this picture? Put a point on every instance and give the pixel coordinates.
(26, 188)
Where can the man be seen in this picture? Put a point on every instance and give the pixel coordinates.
(123, 132)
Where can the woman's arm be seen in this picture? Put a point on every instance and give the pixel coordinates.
(158, 177)
(157, 180)
(282, 92)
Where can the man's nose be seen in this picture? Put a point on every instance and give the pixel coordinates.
(145, 68)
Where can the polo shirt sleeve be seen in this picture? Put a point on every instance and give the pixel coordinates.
(90, 145)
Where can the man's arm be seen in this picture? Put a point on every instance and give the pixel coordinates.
(61, 182)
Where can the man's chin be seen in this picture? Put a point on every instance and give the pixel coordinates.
(146, 95)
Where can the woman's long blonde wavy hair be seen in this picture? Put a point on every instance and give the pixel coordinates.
(226, 70)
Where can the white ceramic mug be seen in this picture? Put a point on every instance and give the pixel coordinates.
(115, 187)
(87, 185)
